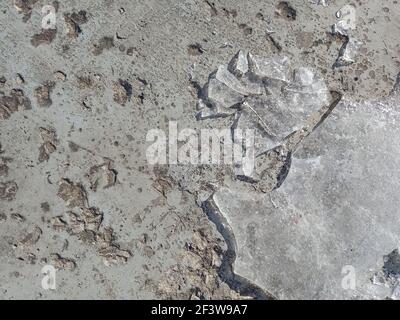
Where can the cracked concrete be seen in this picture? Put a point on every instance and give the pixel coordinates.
(77, 192)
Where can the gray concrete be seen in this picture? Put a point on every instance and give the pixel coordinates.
(76, 103)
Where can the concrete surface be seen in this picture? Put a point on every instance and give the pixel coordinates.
(76, 189)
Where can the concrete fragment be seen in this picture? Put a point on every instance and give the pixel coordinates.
(60, 263)
(286, 11)
(391, 267)
(102, 176)
(73, 194)
(31, 237)
(3, 217)
(239, 64)
(277, 68)
(8, 190)
(25, 7)
(348, 52)
(46, 36)
(13, 102)
(3, 168)
(49, 145)
(324, 3)
(19, 79)
(42, 94)
(122, 92)
(74, 21)
(105, 43)
(92, 218)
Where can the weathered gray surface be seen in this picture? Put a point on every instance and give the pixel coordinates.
(70, 116)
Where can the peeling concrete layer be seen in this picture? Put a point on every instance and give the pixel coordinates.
(337, 207)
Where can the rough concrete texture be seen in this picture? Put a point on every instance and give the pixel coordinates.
(77, 192)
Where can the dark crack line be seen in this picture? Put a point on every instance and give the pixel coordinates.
(226, 273)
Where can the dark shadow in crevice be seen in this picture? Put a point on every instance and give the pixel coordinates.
(237, 283)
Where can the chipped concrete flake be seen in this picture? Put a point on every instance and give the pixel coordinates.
(12, 103)
(102, 176)
(73, 194)
(87, 223)
(74, 21)
(61, 263)
(324, 3)
(31, 237)
(105, 43)
(42, 94)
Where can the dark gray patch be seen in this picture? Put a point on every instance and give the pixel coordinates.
(8, 190)
(286, 11)
(45, 37)
(391, 266)
(104, 43)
